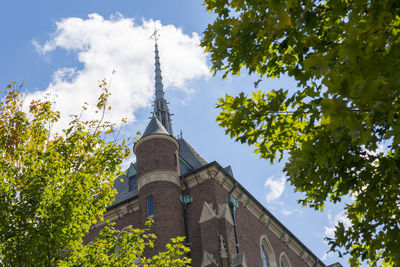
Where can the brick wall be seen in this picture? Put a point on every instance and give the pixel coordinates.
(168, 211)
(250, 231)
(249, 228)
(200, 193)
(123, 221)
(168, 216)
(157, 153)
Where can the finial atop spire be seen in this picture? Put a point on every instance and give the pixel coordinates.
(155, 36)
(160, 104)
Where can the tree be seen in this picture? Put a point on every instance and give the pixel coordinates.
(54, 186)
(345, 57)
(126, 248)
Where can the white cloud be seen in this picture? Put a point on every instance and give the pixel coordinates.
(119, 44)
(333, 222)
(287, 212)
(326, 255)
(275, 187)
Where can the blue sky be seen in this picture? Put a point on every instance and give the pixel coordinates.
(58, 47)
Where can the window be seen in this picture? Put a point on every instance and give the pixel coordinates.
(264, 256)
(132, 184)
(284, 260)
(150, 206)
(267, 253)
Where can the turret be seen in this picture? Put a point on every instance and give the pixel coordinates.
(159, 183)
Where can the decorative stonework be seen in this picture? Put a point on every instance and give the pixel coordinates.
(202, 177)
(197, 179)
(209, 213)
(239, 260)
(219, 178)
(285, 238)
(224, 212)
(208, 259)
(222, 249)
(243, 199)
(212, 173)
(159, 175)
(124, 210)
(265, 220)
(305, 256)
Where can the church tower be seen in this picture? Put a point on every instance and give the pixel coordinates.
(158, 182)
(172, 183)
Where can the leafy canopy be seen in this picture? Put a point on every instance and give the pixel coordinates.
(126, 247)
(54, 186)
(345, 57)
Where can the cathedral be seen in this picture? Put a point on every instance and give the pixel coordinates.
(223, 223)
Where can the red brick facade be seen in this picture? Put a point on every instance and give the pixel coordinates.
(156, 154)
(211, 228)
(205, 236)
(168, 211)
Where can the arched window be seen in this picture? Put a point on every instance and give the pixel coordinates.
(267, 253)
(284, 260)
(264, 254)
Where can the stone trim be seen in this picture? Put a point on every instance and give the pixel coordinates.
(246, 200)
(119, 211)
(153, 136)
(225, 212)
(158, 175)
(209, 213)
(284, 258)
(222, 248)
(208, 259)
(239, 260)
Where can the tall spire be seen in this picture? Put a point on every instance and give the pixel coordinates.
(160, 104)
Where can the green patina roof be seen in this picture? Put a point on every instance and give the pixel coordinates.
(228, 169)
(131, 171)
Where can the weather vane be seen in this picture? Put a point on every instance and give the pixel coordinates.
(155, 36)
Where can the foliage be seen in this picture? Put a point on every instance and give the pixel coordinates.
(52, 185)
(127, 248)
(345, 57)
